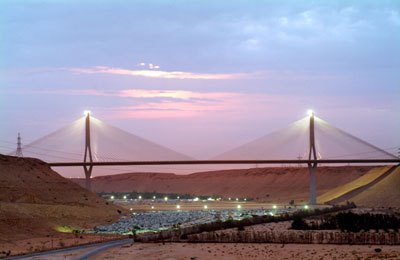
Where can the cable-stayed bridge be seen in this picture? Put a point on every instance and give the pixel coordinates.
(89, 142)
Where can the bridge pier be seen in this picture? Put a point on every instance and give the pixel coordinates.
(88, 175)
(88, 153)
(312, 169)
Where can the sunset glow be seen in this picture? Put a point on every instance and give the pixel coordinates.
(211, 76)
(158, 73)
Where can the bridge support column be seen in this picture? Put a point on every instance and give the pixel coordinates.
(88, 154)
(312, 167)
(88, 175)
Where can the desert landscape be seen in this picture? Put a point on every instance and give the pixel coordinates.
(164, 129)
(250, 251)
(40, 210)
(271, 185)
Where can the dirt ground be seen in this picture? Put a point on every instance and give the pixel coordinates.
(248, 251)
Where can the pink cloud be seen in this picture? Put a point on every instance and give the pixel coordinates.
(177, 94)
(156, 103)
(151, 73)
(159, 103)
(173, 103)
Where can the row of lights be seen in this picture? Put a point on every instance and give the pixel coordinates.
(178, 207)
(237, 199)
(166, 198)
(205, 206)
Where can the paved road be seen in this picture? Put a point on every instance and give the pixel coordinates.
(81, 252)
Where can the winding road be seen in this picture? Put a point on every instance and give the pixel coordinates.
(76, 252)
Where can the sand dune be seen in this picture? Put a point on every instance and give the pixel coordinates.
(385, 193)
(36, 201)
(365, 179)
(377, 188)
(267, 184)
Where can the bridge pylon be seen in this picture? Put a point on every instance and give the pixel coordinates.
(88, 153)
(312, 167)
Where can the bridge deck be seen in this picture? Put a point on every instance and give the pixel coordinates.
(199, 162)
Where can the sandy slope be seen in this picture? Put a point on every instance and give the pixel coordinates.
(359, 182)
(267, 184)
(380, 190)
(385, 193)
(35, 201)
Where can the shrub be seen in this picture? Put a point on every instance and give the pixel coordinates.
(299, 223)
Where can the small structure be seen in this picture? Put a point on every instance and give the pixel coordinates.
(18, 152)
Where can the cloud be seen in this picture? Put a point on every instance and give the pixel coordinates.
(283, 75)
(144, 93)
(176, 94)
(151, 73)
(144, 103)
(166, 109)
(180, 104)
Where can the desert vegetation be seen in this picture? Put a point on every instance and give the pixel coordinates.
(349, 221)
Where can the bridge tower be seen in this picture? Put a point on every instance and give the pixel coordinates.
(312, 167)
(18, 153)
(88, 153)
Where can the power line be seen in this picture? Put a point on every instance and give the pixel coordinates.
(29, 146)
